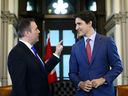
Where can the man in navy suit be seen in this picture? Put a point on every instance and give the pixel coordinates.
(91, 74)
(29, 74)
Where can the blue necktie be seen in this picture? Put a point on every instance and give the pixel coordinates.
(38, 57)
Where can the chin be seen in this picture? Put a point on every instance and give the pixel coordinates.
(37, 41)
(81, 35)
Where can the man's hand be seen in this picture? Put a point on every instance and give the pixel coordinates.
(86, 85)
(98, 82)
(59, 48)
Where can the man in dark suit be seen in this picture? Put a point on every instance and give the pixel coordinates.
(29, 74)
(91, 58)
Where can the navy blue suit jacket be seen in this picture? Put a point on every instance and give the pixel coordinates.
(104, 55)
(27, 74)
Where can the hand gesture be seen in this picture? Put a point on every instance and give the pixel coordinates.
(98, 82)
(59, 48)
(86, 85)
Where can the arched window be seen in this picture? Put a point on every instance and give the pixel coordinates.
(60, 6)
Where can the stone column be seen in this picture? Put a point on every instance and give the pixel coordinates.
(123, 19)
(12, 37)
(4, 45)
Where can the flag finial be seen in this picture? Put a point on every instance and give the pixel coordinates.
(77, 39)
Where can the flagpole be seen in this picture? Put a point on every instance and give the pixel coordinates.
(77, 35)
(52, 76)
(77, 39)
(49, 33)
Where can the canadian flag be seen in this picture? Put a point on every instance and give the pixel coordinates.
(52, 77)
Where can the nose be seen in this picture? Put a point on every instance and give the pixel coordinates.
(77, 27)
(38, 31)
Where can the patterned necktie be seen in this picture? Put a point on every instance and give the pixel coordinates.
(38, 57)
(88, 50)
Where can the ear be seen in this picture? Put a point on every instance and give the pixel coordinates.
(27, 33)
(90, 23)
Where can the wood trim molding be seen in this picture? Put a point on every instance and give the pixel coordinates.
(58, 17)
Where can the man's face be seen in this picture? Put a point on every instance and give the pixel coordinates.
(34, 34)
(81, 27)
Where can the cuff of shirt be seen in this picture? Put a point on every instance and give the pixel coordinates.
(105, 83)
(78, 88)
(55, 55)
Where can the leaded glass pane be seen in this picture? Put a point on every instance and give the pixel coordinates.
(68, 38)
(66, 65)
(90, 5)
(32, 5)
(54, 37)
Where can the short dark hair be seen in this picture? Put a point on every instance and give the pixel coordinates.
(23, 25)
(87, 16)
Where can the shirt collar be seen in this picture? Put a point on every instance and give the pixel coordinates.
(92, 37)
(26, 43)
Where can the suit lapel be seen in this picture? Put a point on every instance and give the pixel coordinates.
(28, 51)
(82, 48)
(97, 44)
